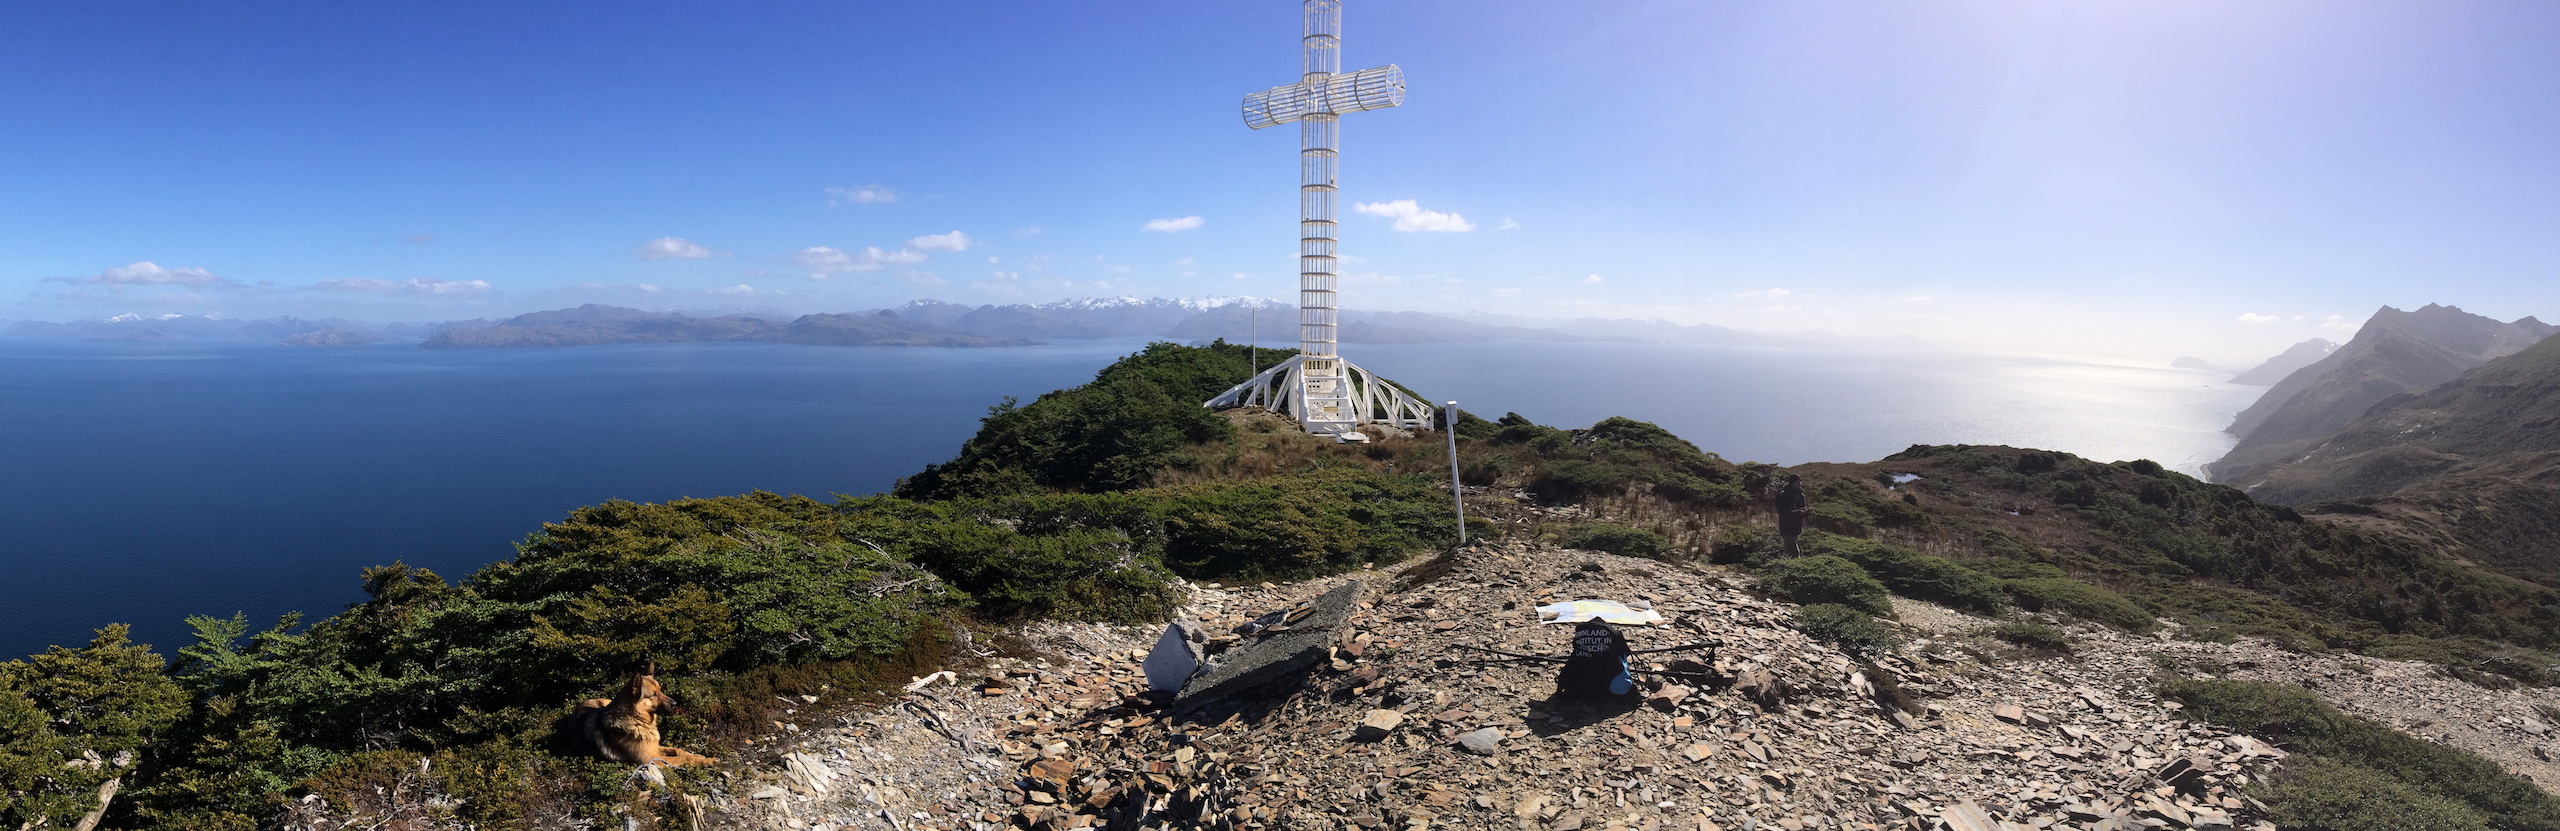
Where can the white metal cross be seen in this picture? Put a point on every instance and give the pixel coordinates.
(1325, 393)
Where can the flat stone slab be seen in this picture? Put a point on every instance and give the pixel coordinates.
(1252, 665)
(1483, 742)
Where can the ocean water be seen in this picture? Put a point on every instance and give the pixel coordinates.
(147, 482)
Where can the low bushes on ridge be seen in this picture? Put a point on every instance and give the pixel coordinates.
(2339, 788)
(1823, 578)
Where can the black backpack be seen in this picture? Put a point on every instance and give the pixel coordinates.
(1599, 657)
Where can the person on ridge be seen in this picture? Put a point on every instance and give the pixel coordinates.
(1791, 511)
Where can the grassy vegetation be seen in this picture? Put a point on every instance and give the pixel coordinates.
(1853, 630)
(2030, 635)
(1912, 574)
(2058, 594)
(1616, 539)
(2350, 773)
(1615, 456)
(1115, 433)
(2317, 793)
(2210, 557)
(1823, 578)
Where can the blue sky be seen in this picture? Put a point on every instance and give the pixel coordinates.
(2141, 179)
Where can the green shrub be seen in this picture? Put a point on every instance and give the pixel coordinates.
(1113, 433)
(1843, 518)
(2316, 793)
(1618, 455)
(2080, 600)
(1740, 543)
(1617, 539)
(1826, 579)
(2002, 568)
(1860, 504)
(2298, 719)
(620, 584)
(1854, 631)
(1574, 480)
(2031, 635)
(1298, 525)
(1912, 574)
(74, 719)
(1484, 470)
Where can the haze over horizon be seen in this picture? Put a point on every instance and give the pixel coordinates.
(2106, 178)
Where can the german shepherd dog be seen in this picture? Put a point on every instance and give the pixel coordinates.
(624, 728)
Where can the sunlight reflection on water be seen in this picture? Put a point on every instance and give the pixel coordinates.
(1789, 406)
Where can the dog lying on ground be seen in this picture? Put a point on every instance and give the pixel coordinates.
(624, 728)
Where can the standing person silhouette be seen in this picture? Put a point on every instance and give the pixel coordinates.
(1791, 511)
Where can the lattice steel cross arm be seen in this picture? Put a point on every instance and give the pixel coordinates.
(1331, 94)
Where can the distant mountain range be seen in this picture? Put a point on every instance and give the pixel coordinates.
(596, 324)
(923, 323)
(2293, 360)
(2395, 352)
(2473, 462)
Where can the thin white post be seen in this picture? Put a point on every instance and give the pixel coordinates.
(1457, 489)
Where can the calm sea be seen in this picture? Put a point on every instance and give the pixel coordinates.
(147, 482)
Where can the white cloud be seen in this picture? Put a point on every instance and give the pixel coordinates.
(357, 284)
(147, 273)
(954, 241)
(1772, 294)
(821, 260)
(1592, 280)
(649, 287)
(1508, 224)
(1032, 231)
(414, 285)
(1411, 217)
(994, 260)
(864, 195)
(2340, 324)
(922, 278)
(1169, 226)
(2250, 317)
(672, 248)
(1506, 294)
(1185, 262)
(740, 288)
(430, 285)
(1243, 276)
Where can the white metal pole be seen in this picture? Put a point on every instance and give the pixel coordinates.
(1457, 489)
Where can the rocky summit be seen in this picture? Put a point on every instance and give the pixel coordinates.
(1413, 719)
